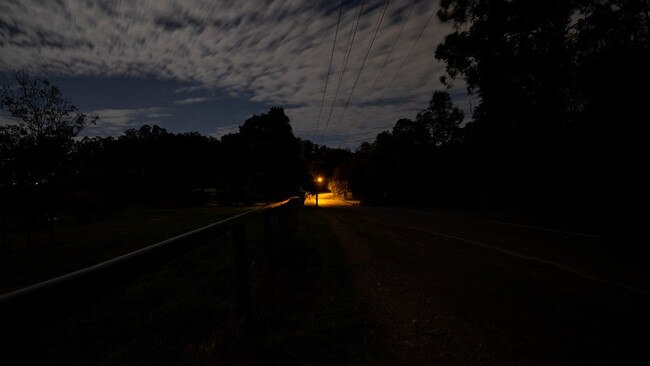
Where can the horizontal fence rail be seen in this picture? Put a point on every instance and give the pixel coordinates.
(66, 293)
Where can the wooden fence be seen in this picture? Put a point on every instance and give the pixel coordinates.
(52, 299)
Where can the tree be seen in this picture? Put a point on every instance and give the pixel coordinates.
(41, 109)
(442, 118)
(34, 150)
(145, 166)
(47, 122)
(323, 161)
(539, 66)
(560, 87)
(264, 159)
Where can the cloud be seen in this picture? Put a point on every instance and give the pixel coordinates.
(191, 100)
(6, 119)
(275, 52)
(159, 115)
(224, 130)
(113, 122)
(190, 89)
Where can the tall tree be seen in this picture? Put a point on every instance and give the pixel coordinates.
(264, 158)
(34, 151)
(560, 84)
(442, 118)
(46, 124)
(538, 65)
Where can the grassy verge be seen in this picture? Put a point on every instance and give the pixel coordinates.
(311, 314)
(305, 310)
(81, 245)
(160, 319)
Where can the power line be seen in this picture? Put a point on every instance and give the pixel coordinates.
(353, 31)
(410, 50)
(383, 66)
(363, 63)
(320, 111)
(353, 34)
(409, 53)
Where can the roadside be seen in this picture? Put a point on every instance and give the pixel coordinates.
(80, 245)
(605, 258)
(310, 313)
(354, 286)
(328, 199)
(442, 301)
(305, 310)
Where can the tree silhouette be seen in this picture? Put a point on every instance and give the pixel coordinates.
(263, 159)
(35, 150)
(47, 122)
(538, 65)
(40, 108)
(148, 165)
(555, 115)
(324, 161)
(442, 118)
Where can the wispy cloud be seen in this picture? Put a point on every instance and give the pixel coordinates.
(6, 119)
(191, 100)
(115, 121)
(190, 89)
(275, 52)
(224, 130)
(159, 115)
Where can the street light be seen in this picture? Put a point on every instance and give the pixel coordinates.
(319, 180)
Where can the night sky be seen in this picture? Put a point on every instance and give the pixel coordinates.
(207, 66)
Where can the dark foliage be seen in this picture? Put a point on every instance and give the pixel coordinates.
(44, 172)
(411, 163)
(262, 162)
(325, 162)
(560, 85)
(559, 125)
(34, 153)
(146, 165)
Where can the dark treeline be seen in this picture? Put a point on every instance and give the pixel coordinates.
(45, 171)
(558, 127)
(561, 88)
(145, 165)
(414, 163)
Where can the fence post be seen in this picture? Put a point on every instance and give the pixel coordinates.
(242, 282)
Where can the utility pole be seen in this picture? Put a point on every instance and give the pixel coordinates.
(319, 180)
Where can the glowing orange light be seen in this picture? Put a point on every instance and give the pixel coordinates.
(320, 179)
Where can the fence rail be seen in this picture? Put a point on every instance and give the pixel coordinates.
(65, 294)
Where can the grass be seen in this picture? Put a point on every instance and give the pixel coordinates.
(456, 303)
(313, 315)
(157, 320)
(304, 310)
(81, 245)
